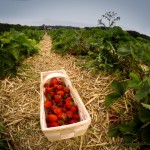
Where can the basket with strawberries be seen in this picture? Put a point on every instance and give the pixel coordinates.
(59, 105)
(62, 112)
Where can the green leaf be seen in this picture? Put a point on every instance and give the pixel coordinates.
(115, 85)
(123, 51)
(119, 87)
(145, 125)
(15, 53)
(5, 41)
(133, 84)
(145, 134)
(147, 106)
(144, 114)
(113, 131)
(128, 128)
(8, 63)
(14, 45)
(135, 76)
(135, 145)
(124, 86)
(3, 145)
(111, 98)
(2, 127)
(141, 93)
(128, 138)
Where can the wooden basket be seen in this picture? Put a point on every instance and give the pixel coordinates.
(64, 131)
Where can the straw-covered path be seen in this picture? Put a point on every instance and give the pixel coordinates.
(20, 103)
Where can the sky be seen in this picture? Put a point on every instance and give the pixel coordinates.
(134, 14)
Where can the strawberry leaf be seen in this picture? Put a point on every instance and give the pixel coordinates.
(147, 106)
(119, 87)
(145, 134)
(123, 50)
(113, 131)
(135, 76)
(144, 114)
(141, 93)
(111, 98)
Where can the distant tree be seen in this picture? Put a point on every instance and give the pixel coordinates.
(111, 17)
(44, 26)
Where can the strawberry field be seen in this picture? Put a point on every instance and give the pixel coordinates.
(108, 67)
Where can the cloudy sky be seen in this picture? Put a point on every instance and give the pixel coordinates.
(134, 13)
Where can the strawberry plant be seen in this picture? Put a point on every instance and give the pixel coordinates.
(34, 34)
(111, 49)
(15, 47)
(136, 131)
(69, 41)
(59, 106)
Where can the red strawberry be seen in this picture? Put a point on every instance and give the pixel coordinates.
(68, 99)
(53, 124)
(68, 104)
(57, 98)
(49, 112)
(48, 89)
(59, 82)
(76, 116)
(47, 104)
(73, 121)
(66, 90)
(55, 86)
(57, 111)
(62, 116)
(46, 85)
(64, 109)
(53, 107)
(69, 114)
(52, 94)
(53, 81)
(51, 118)
(74, 109)
(60, 87)
(61, 93)
(61, 104)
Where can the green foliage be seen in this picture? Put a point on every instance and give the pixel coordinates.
(142, 87)
(14, 47)
(34, 34)
(137, 129)
(7, 27)
(119, 88)
(109, 49)
(129, 131)
(68, 41)
(3, 142)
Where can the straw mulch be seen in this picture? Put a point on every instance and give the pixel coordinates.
(20, 103)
